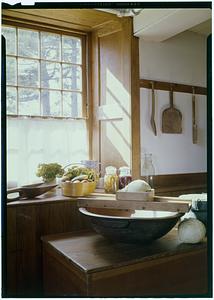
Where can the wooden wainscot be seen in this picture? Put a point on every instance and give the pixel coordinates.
(27, 221)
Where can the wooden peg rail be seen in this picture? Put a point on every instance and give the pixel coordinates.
(177, 87)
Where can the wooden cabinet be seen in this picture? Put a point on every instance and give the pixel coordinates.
(86, 264)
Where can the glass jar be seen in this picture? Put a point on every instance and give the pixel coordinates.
(111, 181)
(148, 170)
(124, 177)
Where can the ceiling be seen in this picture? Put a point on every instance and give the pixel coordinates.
(150, 24)
(161, 24)
(204, 28)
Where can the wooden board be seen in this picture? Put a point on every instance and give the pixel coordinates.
(159, 204)
(143, 196)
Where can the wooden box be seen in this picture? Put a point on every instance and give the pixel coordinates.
(86, 264)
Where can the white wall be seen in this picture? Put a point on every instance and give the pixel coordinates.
(181, 59)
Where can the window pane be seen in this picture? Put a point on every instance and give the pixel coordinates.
(28, 43)
(28, 73)
(46, 64)
(51, 103)
(50, 75)
(71, 49)
(10, 35)
(11, 100)
(29, 103)
(72, 104)
(11, 70)
(50, 46)
(72, 77)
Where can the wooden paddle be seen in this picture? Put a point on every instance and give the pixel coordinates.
(171, 118)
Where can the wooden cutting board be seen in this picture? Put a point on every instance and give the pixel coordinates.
(171, 118)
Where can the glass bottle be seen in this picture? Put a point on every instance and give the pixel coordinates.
(124, 177)
(111, 181)
(148, 170)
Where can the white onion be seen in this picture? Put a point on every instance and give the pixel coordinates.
(191, 231)
(138, 186)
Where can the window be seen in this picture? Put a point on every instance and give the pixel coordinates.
(44, 74)
(46, 101)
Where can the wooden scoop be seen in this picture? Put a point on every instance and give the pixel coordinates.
(171, 118)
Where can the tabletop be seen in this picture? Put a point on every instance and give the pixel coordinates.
(91, 252)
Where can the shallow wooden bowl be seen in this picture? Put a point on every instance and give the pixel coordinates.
(32, 190)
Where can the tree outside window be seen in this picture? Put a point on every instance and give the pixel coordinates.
(44, 73)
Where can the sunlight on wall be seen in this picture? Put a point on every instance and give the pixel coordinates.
(119, 132)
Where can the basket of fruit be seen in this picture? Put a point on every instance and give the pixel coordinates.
(79, 181)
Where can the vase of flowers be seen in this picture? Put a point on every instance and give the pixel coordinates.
(49, 173)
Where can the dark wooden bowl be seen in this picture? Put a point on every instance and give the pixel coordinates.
(141, 227)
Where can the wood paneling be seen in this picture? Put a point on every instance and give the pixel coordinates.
(107, 28)
(90, 104)
(11, 276)
(26, 221)
(26, 224)
(177, 184)
(95, 94)
(135, 110)
(11, 229)
(112, 85)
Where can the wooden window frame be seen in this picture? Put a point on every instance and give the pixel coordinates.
(84, 66)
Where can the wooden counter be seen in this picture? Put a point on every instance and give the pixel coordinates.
(46, 198)
(86, 264)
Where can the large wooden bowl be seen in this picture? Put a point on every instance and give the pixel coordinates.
(128, 227)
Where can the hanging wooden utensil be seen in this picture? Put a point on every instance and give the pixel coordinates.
(171, 118)
(194, 126)
(152, 120)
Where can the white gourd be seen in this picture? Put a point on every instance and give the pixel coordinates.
(138, 186)
(191, 231)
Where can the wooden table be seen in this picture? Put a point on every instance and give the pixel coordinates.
(86, 264)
